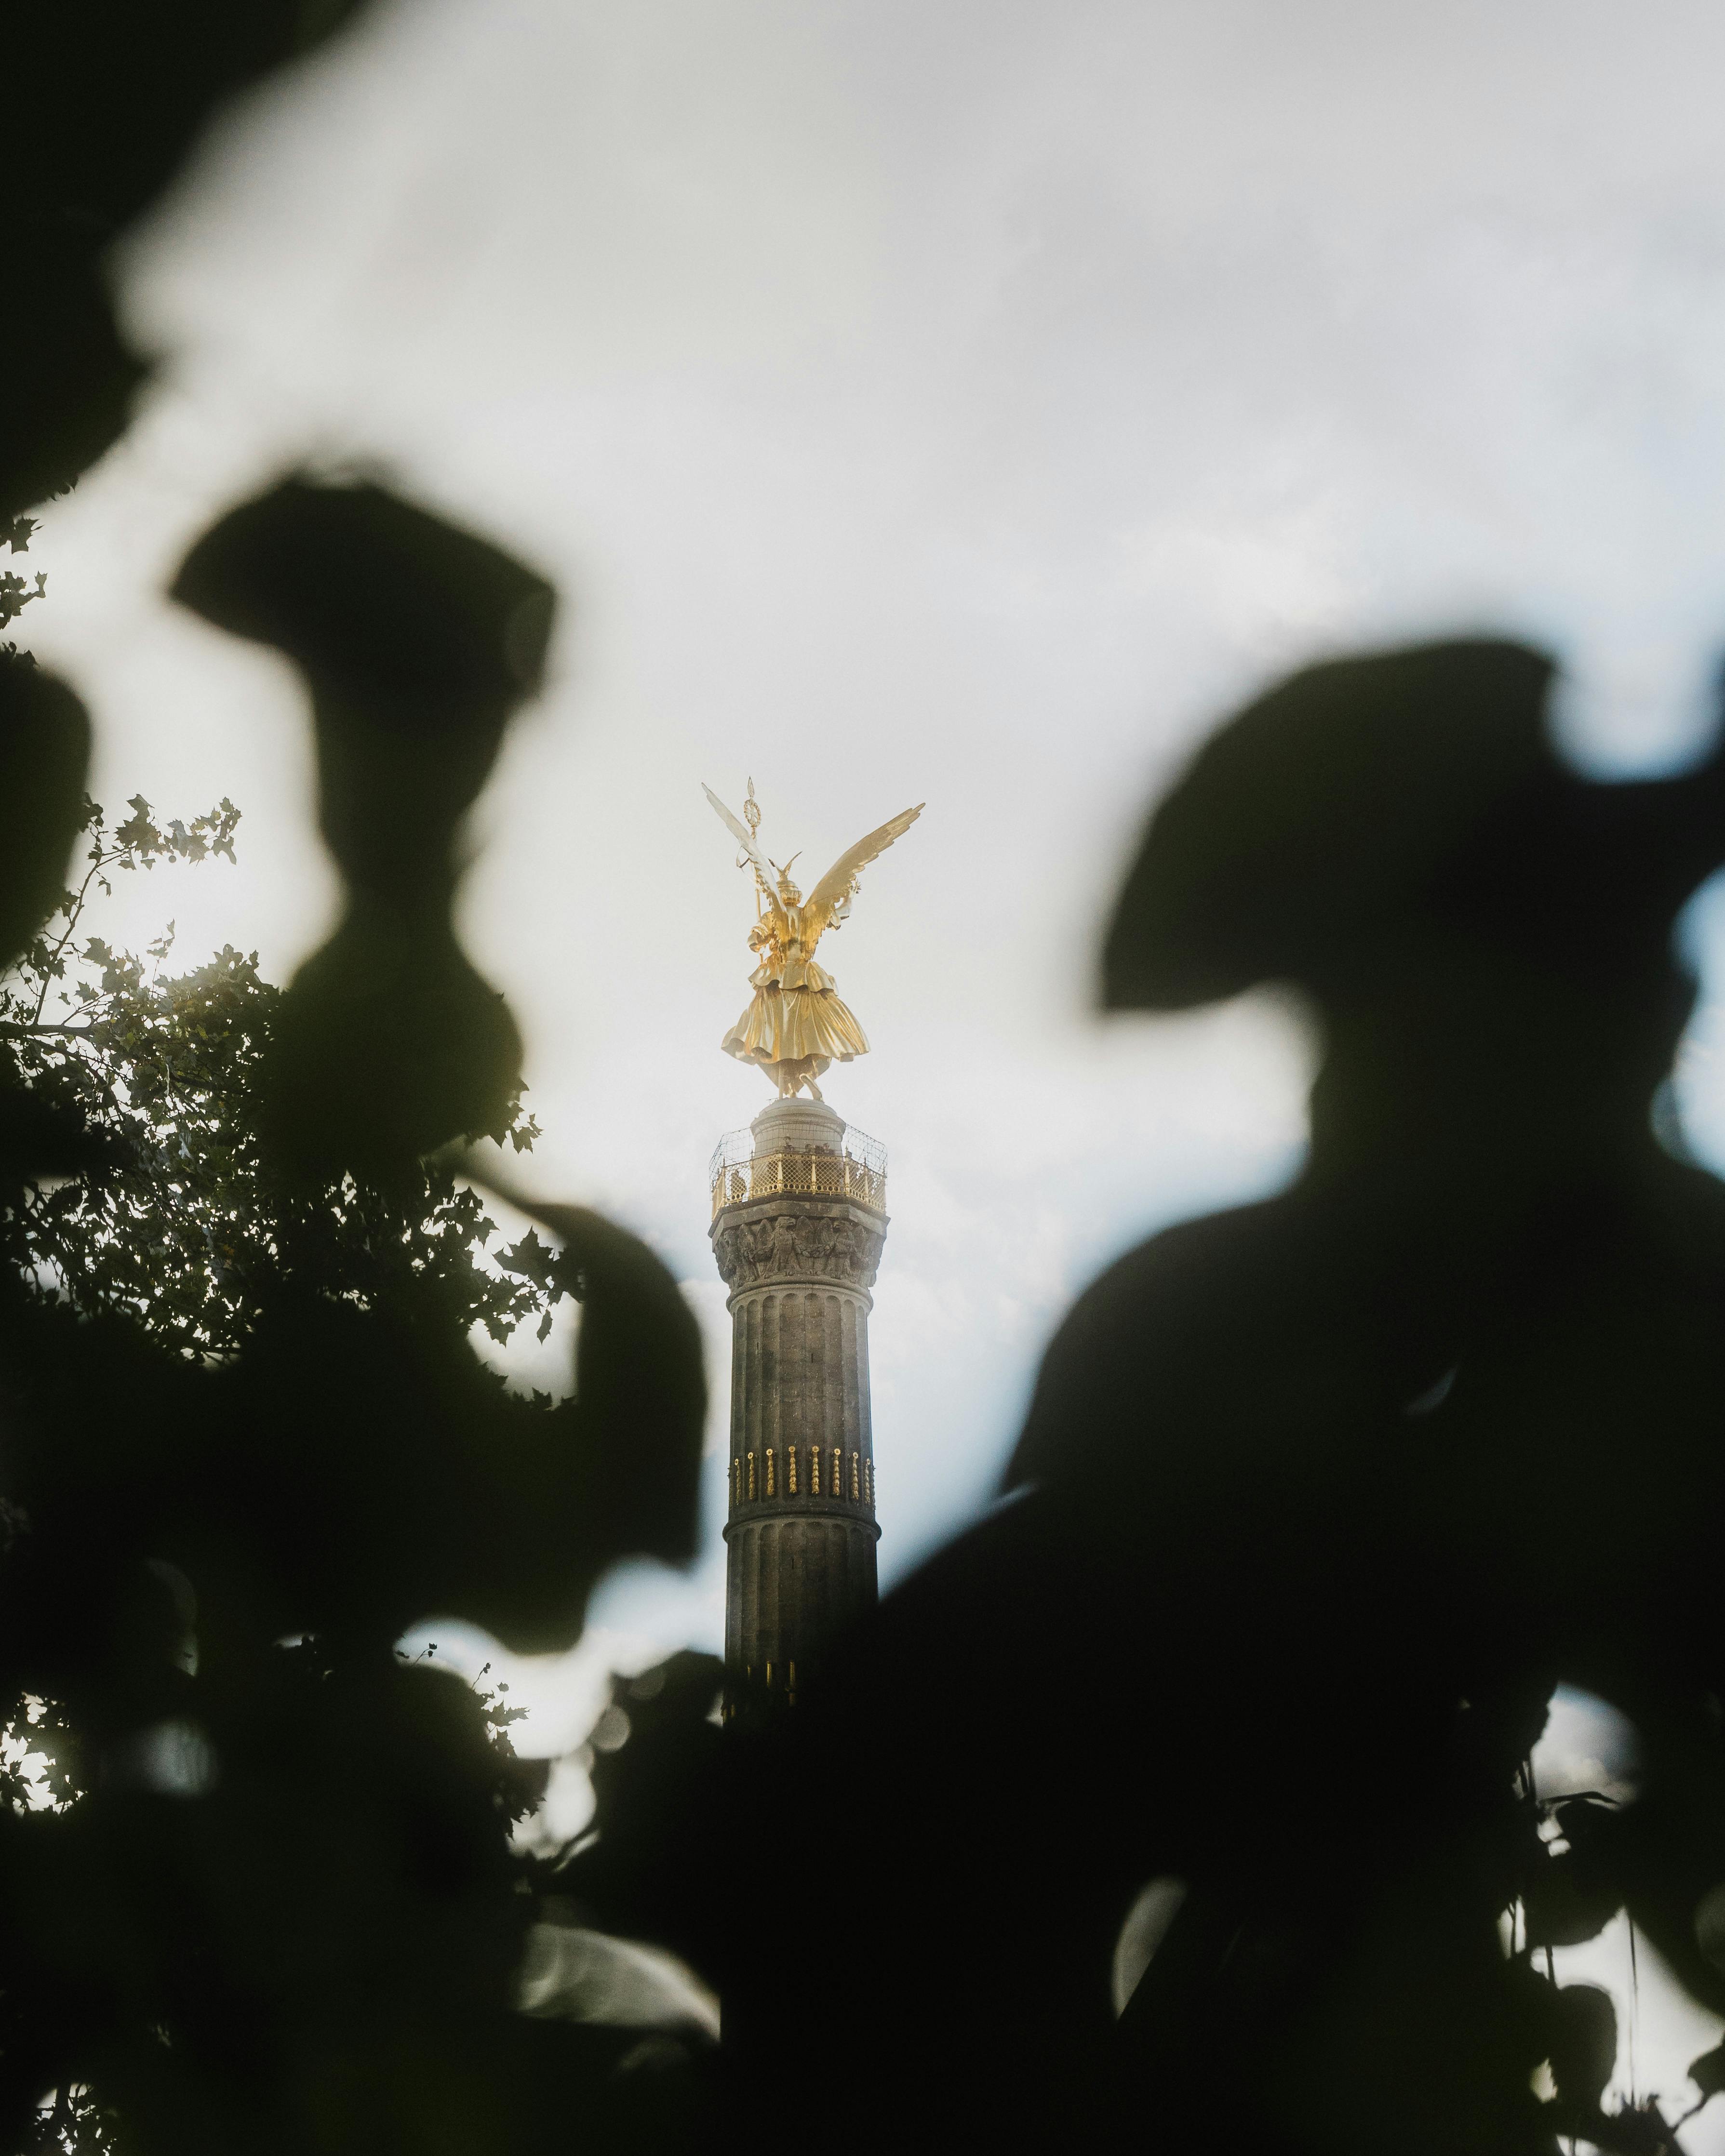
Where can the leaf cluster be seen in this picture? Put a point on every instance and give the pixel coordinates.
(172, 1214)
(15, 594)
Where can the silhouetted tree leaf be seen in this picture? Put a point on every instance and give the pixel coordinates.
(116, 95)
(1707, 2072)
(1567, 1903)
(44, 746)
(417, 642)
(1583, 2035)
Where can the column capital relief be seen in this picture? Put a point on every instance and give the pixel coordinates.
(759, 1245)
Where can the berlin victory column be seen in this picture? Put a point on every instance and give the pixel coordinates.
(798, 1221)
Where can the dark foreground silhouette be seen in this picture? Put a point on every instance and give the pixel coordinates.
(1316, 1501)
(278, 1910)
(1320, 1500)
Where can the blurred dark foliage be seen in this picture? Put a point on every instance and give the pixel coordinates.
(107, 99)
(257, 1886)
(417, 642)
(278, 1904)
(642, 1872)
(1316, 1503)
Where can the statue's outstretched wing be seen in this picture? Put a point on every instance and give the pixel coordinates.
(831, 898)
(740, 831)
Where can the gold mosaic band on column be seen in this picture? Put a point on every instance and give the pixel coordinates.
(862, 1474)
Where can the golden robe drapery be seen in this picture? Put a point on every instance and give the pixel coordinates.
(795, 1014)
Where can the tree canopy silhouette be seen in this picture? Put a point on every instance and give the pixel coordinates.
(180, 1218)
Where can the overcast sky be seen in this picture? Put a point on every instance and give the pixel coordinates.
(965, 401)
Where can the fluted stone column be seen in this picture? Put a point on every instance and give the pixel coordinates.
(797, 1233)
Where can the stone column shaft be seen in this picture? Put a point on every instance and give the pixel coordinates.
(801, 1529)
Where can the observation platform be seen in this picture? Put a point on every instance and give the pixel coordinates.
(797, 1148)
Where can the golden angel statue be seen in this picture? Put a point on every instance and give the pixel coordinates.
(795, 1025)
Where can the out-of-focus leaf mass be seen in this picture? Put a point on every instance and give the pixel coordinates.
(258, 1889)
(1318, 1500)
(417, 642)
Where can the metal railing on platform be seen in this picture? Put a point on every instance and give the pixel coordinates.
(737, 1174)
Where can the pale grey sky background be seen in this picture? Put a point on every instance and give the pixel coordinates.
(965, 401)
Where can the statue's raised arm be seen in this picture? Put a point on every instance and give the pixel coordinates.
(745, 837)
(831, 898)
